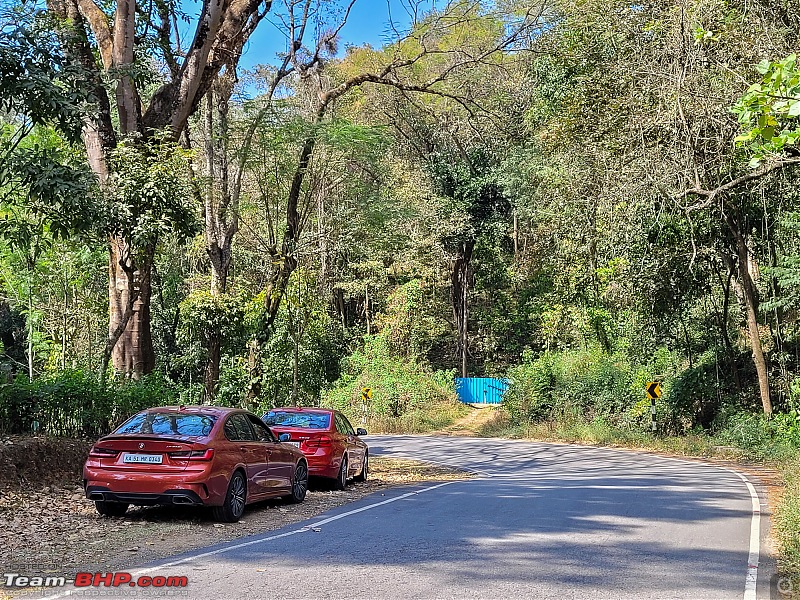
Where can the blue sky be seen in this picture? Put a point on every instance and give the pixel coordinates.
(369, 23)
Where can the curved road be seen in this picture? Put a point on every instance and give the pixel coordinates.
(538, 521)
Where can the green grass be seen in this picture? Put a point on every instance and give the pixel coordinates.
(787, 524)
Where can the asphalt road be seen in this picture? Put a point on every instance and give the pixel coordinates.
(538, 521)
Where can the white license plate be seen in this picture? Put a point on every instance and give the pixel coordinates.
(295, 444)
(148, 459)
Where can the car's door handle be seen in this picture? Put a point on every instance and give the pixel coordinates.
(243, 448)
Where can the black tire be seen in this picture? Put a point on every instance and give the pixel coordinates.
(300, 483)
(362, 476)
(341, 480)
(111, 509)
(235, 500)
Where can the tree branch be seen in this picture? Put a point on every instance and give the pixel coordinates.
(711, 195)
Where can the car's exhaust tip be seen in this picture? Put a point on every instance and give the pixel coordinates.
(178, 499)
(97, 496)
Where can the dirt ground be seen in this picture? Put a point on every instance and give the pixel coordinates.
(55, 529)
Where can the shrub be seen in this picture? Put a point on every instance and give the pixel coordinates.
(75, 403)
(582, 384)
(777, 438)
(406, 395)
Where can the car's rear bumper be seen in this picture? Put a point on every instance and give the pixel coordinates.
(156, 488)
(188, 497)
(323, 465)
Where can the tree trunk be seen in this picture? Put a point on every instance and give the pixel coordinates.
(30, 328)
(460, 300)
(722, 318)
(750, 297)
(130, 342)
(516, 235)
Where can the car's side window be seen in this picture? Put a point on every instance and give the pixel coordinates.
(350, 430)
(342, 425)
(263, 433)
(238, 429)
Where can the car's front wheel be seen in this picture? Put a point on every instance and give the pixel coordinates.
(236, 497)
(341, 479)
(300, 483)
(111, 509)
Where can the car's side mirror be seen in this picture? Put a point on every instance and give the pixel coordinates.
(284, 437)
(361, 431)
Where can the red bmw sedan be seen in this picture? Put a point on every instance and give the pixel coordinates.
(224, 458)
(331, 446)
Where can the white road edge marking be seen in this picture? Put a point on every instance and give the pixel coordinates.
(225, 549)
(754, 554)
(755, 545)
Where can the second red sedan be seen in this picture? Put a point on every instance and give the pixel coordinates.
(327, 439)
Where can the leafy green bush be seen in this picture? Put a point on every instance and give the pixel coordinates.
(406, 395)
(777, 438)
(582, 384)
(75, 403)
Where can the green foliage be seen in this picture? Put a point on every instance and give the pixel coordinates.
(301, 355)
(75, 403)
(203, 313)
(149, 192)
(787, 524)
(405, 392)
(409, 331)
(777, 438)
(769, 110)
(695, 397)
(583, 383)
(38, 82)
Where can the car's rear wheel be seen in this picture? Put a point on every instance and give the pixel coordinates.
(362, 476)
(111, 509)
(341, 479)
(300, 483)
(235, 499)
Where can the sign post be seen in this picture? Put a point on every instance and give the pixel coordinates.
(654, 393)
(366, 394)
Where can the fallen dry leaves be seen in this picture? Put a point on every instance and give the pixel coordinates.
(55, 530)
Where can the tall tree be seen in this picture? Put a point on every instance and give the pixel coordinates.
(122, 33)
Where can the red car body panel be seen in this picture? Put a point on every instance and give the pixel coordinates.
(268, 464)
(324, 460)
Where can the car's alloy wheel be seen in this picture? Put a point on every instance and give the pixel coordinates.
(235, 500)
(341, 480)
(111, 509)
(300, 483)
(362, 476)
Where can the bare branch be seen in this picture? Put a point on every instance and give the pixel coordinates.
(711, 195)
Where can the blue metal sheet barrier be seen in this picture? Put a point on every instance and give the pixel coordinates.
(481, 390)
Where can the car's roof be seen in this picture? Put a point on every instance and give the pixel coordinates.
(203, 410)
(308, 409)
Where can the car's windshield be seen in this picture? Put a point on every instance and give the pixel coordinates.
(163, 423)
(303, 420)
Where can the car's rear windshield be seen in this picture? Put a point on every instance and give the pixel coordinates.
(168, 423)
(303, 420)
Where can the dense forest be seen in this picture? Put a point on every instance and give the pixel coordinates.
(579, 196)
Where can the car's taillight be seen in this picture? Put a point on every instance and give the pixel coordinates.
(102, 452)
(206, 454)
(317, 442)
